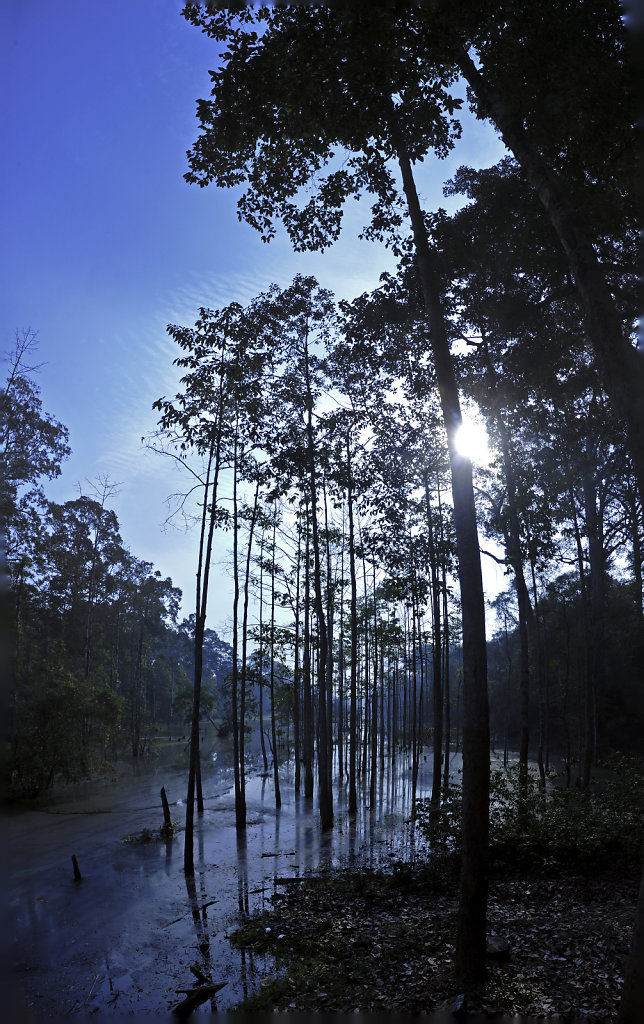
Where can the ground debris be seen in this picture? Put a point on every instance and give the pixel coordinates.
(204, 989)
(367, 941)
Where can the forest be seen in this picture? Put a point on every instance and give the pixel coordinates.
(322, 445)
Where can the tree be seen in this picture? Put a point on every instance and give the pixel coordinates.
(271, 132)
(32, 446)
(566, 164)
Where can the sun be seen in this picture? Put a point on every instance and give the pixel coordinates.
(471, 442)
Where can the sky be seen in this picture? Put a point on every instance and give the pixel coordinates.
(104, 243)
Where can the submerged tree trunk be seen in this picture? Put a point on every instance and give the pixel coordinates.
(240, 811)
(297, 673)
(203, 573)
(374, 702)
(437, 651)
(276, 777)
(242, 694)
(341, 668)
(306, 672)
(261, 654)
(353, 708)
(324, 794)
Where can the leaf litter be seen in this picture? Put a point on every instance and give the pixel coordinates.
(367, 940)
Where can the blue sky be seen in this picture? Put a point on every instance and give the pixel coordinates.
(104, 243)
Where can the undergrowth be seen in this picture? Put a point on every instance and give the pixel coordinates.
(560, 828)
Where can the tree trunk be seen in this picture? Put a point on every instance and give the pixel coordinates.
(308, 701)
(341, 669)
(595, 532)
(296, 674)
(325, 795)
(244, 658)
(353, 709)
(203, 574)
(437, 651)
(631, 1007)
(374, 702)
(261, 654)
(512, 537)
(329, 660)
(276, 777)
(446, 679)
(471, 936)
(240, 811)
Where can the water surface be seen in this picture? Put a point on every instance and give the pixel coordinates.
(122, 939)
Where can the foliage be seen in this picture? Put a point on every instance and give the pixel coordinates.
(149, 835)
(91, 668)
(563, 829)
(66, 727)
(32, 443)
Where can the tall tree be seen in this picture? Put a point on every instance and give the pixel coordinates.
(265, 126)
(585, 177)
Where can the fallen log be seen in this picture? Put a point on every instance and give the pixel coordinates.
(196, 997)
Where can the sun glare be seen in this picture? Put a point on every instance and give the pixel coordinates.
(471, 442)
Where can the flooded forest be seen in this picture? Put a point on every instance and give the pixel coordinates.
(386, 782)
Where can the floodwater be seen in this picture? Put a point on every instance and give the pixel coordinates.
(121, 940)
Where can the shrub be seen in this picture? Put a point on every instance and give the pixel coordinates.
(561, 827)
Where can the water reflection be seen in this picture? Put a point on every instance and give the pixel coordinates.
(134, 898)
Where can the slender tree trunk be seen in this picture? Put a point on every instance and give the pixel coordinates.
(382, 708)
(512, 537)
(297, 674)
(276, 778)
(341, 667)
(203, 574)
(208, 521)
(244, 660)
(374, 701)
(308, 701)
(587, 659)
(353, 709)
(541, 668)
(635, 519)
(414, 697)
(329, 661)
(261, 655)
(437, 652)
(595, 531)
(631, 1007)
(446, 671)
(471, 933)
(240, 816)
(394, 712)
(367, 662)
(325, 793)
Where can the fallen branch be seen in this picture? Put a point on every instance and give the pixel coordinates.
(202, 978)
(196, 996)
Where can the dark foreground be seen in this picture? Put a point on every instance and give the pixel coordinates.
(372, 942)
